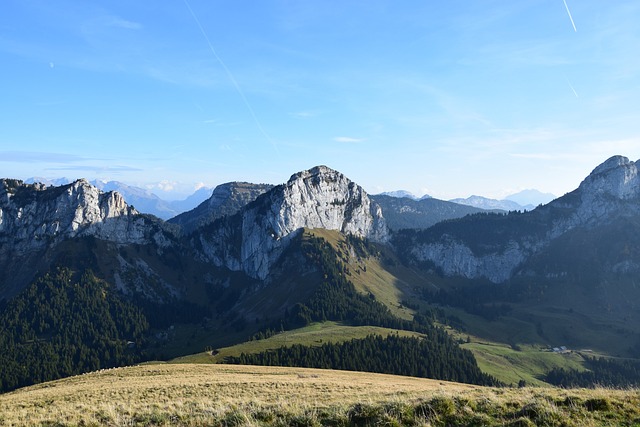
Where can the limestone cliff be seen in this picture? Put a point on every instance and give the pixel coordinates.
(33, 216)
(253, 240)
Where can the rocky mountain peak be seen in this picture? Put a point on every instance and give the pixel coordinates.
(324, 198)
(33, 216)
(617, 177)
(316, 198)
(319, 173)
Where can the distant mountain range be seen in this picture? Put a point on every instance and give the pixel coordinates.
(531, 197)
(523, 200)
(492, 204)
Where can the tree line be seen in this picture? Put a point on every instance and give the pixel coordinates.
(435, 356)
(601, 372)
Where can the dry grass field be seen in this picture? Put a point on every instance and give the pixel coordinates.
(227, 395)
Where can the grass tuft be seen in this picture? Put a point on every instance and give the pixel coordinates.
(597, 404)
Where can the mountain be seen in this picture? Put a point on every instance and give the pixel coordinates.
(253, 260)
(496, 246)
(403, 212)
(562, 274)
(524, 200)
(35, 220)
(256, 269)
(315, 198)
(531, 197)
(491, 204)
(226, 199)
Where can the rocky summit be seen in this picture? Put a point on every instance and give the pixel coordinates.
(37, 221)
(252, 240)
(33, 216)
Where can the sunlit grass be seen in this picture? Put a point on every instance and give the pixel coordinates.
(198, 395)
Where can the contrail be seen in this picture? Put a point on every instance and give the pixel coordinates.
(230, 75)
(571, 86)
(570, 17)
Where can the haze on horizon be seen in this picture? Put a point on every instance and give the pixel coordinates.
(449, 99)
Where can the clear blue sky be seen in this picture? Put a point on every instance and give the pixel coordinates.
(450, 98)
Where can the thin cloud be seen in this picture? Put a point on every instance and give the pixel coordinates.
(114, 21)
(348, 139)
(164, 185)
(199, 185)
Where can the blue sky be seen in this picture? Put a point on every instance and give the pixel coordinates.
(447, 98)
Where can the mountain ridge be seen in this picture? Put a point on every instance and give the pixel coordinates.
(148, 202)
(226, 199)
(604, 192)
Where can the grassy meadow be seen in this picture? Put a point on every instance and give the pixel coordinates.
(226, 395)
(528, 363)
(313, 335)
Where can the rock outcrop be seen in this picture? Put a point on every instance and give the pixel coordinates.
(33, 216)
(253, 240)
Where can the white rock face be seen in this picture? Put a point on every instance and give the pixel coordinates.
(456, 259)
(610, 186)
(324, 198)
(617, 177)
(612, 189)
(316, 198)
(33, 216)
